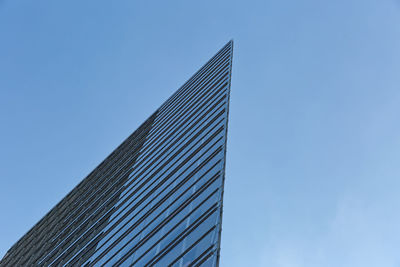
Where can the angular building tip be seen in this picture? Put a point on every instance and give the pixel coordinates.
(157, 198)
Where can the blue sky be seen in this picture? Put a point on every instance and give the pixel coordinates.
(313, 172)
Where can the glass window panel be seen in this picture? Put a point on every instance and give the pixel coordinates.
(195, 235)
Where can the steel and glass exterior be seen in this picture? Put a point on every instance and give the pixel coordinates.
(156, 200)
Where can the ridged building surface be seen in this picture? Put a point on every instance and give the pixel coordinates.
(156, 200)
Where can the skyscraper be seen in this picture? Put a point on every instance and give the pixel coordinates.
(156, 200)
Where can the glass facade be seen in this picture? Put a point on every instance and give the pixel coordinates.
(157, 199)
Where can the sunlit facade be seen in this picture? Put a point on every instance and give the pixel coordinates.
(156, 200)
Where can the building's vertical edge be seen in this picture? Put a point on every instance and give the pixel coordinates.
(225, 145)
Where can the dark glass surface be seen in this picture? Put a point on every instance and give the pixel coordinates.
(157, 199)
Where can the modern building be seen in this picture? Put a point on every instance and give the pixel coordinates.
(156, 200)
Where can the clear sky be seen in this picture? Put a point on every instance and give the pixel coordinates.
(313, 163)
